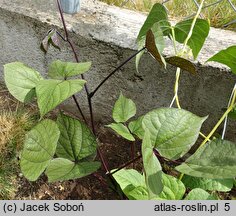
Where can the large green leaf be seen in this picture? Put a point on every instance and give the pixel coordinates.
(208, 184)
(158, 16)
(76, 140)
(61, 70)
(173, 189)
(216, 159)
(152, 167)
(172, 131)
(136, 127)
(227, 57)
(199, 194)
(21, 81)
(198, 37)
(123, 109)
(51, 93)
(122, 130)
(61, 169)
(39, 148)
(133, 185)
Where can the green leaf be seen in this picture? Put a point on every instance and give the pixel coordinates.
(157, 22)
(199, 194)
(138, 193)
(198, 37)
(208, 184)
(158, 37)
(127, 177)
(21, 81)
(152, 48)
(122, 130)
(216, 159)
(51, 93)
(158, 16)
(172, 131)
(227, 57)
(152, 167)
(232, 114)
(132, 184)
(173, 189)
(155, 44)
(61, 70)
(136, 127)
(61, 169)
(182, 63)
(76, 140)
(123, 109)
(39, 148)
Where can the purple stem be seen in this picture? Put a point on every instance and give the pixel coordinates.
(126, 164)
(114, 71)
(166, 159)
(67, 39)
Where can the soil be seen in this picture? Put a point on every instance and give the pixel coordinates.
(92, 187)
(97, 186)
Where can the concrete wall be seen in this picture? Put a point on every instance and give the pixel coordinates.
(106, 36)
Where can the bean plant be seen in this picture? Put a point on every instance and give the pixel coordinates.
(65, 148)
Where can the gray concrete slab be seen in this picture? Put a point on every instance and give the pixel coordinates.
(106, 36)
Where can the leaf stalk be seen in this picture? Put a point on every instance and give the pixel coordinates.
(114, 71)
(67, 39)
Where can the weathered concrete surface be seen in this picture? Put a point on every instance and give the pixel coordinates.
(106, 36)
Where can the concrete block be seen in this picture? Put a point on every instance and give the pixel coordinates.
(106, 36)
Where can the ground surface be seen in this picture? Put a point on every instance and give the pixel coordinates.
(116, 152)
(85, 188)
(98, 186)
